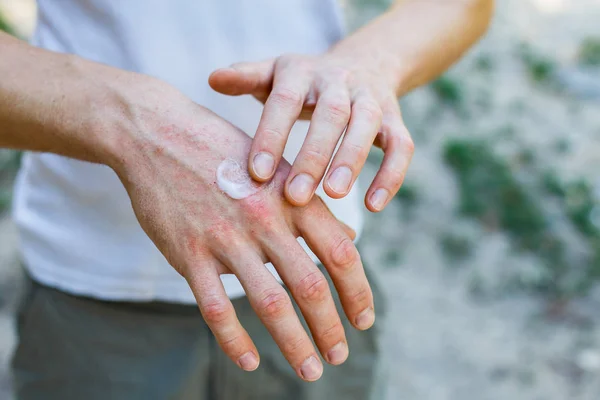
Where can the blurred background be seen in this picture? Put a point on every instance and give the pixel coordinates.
(490, 255)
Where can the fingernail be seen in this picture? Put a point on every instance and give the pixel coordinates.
(365, 319)
(263, 164)
(340, 179)
(338, 353)
(379, 198)
(248, 361)
(311, 369)
(301, 188)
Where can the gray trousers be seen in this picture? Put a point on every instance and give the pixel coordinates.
(73, 348)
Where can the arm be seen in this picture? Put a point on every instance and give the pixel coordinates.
(166, 150)
(354, 85)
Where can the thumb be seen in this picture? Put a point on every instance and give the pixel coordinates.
(255, 78)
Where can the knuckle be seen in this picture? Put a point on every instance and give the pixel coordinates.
(294, 346)
(333, 332)
(369, 110)
(314, 155)
(393, 175)
(340, 74)
(286, 59)
(356, 151)
(233, 344)
(270, 135)
(337, 112)
(287, 97)
(259, 213)
(409, 145)
(363, 296)
(313, 288)
(344, 254)
(216, 312)
(220, 233)
(274, 304)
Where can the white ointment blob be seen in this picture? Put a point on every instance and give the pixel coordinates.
(234, 180)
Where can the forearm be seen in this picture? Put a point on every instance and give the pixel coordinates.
(59, 103)
(416, 40)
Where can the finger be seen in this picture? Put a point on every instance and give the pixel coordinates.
(354, 150)
(337, 252)
(274, 308)
(311, 291)
(397, 144)
(253, 78)
(280, 113)
(220, 316)
(347, 229)
(329, 120)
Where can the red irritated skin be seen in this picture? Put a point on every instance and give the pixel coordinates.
(353, 89)
(166, 150)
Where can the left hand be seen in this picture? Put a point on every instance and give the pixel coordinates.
(338, 95)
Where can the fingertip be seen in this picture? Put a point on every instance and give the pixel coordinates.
(300, 189)
(338, 354)
(377, 200)
(262, 166)
(311, 369)
(365, 319)
(249, 361)
(223, 79)
(332, 193)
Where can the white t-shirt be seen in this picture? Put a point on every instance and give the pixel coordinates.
(77, 228)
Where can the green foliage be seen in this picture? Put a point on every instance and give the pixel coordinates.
(448, 91)
(393, 258)
(578, 201)
(541, 69)
(456, 247)
(408, 197)
(552, 185)
(526, 157)
(4, 25)
(490, 193)
(589, 52)
(562, 146)
(484, 63)
(580, 204)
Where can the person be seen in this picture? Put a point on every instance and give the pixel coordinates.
(126, 137)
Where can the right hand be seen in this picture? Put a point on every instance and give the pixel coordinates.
(167, 161)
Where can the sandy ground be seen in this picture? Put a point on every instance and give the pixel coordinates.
(450, 332)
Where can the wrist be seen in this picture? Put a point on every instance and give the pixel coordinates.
(129, 107)
(374, 50)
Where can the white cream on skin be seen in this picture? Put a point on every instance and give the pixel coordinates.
(234, 180)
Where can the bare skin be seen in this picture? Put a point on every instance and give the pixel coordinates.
(353, 88)
(166, 151)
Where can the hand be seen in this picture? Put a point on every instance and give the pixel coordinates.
(337, 92)
(168, 162)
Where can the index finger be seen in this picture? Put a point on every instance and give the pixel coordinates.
(329, 241)
(281, 111)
